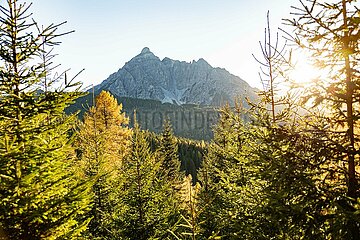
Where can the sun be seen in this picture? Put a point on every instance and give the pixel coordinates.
(304, 72)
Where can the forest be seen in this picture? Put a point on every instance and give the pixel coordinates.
(290, 171)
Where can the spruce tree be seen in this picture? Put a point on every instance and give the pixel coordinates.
(301, 157)
(169, 153)
(226, 179)
(295, 194)
(102, 142)
(329, 30)
(281, 152)
(41, 196)
(264, 181)
(145, 199)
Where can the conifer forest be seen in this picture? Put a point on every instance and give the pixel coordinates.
(284, 167)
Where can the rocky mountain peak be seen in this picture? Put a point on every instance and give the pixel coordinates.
(173, 81)
(203, 63)
(145, 50)
(144, 55)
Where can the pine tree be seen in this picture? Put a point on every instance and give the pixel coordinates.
(287, 168)
(264, 181)
(225, 176)
(146, 204)
(301, 157)
(334, 43)
(41, 196)
(330, 32)
(169, 152)
(102, 143)
(191, 154)
(294, 197)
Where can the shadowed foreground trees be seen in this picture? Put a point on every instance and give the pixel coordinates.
(330, 32)
(41, 196)
(299, 175)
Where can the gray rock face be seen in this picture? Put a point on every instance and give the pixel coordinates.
(147, 77)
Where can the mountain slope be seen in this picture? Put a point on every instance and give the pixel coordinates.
(147, 77)
(188, 120)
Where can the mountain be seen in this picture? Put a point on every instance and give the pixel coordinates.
(171, 81)
(188, 94)
(188, 120)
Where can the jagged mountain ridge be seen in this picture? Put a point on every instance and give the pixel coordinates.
(147, 77)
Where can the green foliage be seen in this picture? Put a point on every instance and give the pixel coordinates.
(226, 180)
(279, 175)
(330, 32)
(146, 204)
(191, 154)
(295, 194)
(269, 181)
(169, 152)
(41, 194)
(102, 143)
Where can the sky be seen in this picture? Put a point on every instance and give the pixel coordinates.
(108, 33)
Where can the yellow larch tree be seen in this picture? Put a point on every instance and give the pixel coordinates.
(103, 140)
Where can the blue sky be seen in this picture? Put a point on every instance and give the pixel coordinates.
(108, 33)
